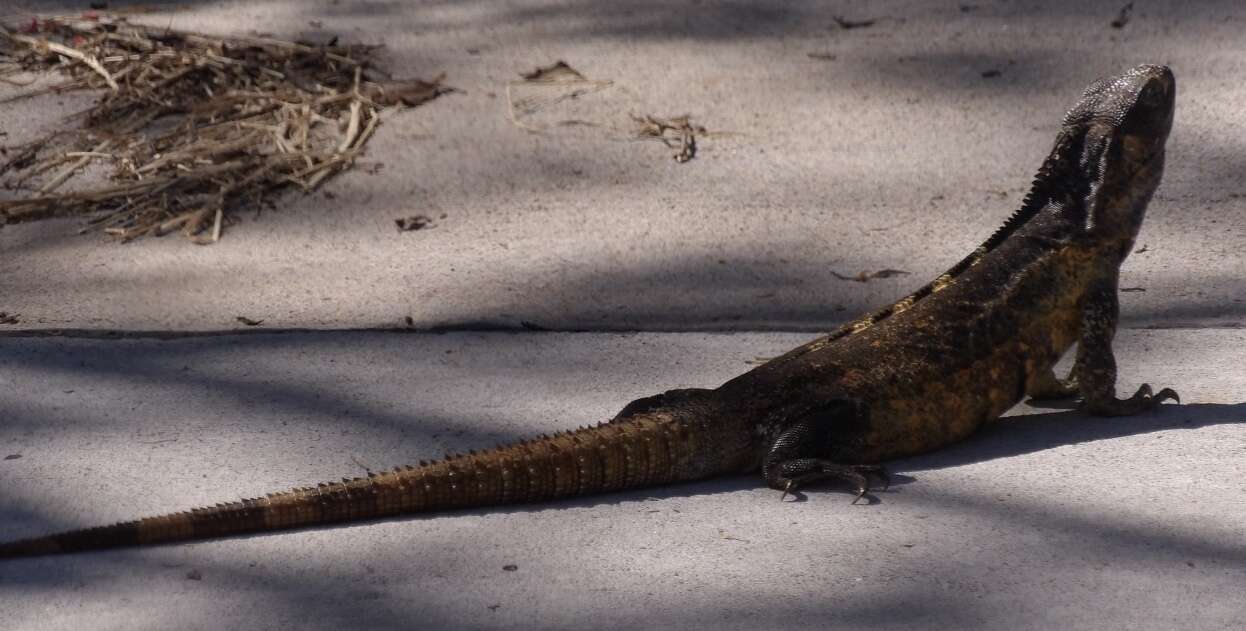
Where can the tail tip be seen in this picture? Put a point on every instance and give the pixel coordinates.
(28, 548)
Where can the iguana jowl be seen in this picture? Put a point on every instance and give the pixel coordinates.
(920, 374)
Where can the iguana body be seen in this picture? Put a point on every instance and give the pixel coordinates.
(925, 372)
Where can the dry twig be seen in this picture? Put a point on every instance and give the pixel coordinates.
(676, 133)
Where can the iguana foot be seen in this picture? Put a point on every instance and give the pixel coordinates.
(795, 474)
(1141, 401)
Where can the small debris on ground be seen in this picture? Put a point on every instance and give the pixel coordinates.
(1124, 289)
(414, 222)
(9, 318)
(1122, 17)
(847, 24)
(560, 83)
(248, 321)
(991, 74)
(510, 568)
(678, 132)
(550, 84)
(12, 456)
(413, 92)
(194, 575)
(366, 469)
(557, 72)
(865, 277)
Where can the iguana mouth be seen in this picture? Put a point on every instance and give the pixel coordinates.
(1146, 164)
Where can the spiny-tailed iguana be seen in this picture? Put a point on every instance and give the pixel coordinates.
(917, 375)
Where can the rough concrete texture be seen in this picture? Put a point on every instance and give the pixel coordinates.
(841, 150)
(836, 151)
(1046, 520)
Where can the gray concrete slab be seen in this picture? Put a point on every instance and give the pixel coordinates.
(840, 150)
(844, 150)
(1046, 520)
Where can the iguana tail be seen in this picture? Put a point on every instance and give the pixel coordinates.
(647, 449)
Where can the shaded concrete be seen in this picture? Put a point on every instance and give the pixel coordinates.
(1046, 519)
(838, 151)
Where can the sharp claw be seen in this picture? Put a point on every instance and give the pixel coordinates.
(786, 488)
(1166, 394)
(860, 494)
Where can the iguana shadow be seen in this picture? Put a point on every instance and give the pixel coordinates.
(1029, 433)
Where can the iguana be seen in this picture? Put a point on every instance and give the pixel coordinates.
(924, 372)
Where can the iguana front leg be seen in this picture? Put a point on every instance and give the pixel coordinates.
(1095, 367)
(796, 456)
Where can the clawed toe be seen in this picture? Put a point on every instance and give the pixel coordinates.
(787, 490)
(1150, 399)
(1167, 394)
(1142, 400)
(857, 476)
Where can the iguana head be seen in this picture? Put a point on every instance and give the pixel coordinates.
(1115, 145)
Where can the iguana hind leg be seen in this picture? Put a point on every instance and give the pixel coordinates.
(794, 458)
(1095, 368)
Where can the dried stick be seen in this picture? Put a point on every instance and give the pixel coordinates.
(55, 182)
(62, 49)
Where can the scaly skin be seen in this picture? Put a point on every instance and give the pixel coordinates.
(924, 372)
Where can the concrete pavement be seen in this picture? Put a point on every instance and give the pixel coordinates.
(887, 149)
(899, 145)
(1047, 520)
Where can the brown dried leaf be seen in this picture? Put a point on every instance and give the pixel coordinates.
(558, 72)
(848, 24)
(414, 222)
(865, 277)
(409, 92)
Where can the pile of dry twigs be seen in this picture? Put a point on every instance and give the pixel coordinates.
(194, 128)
